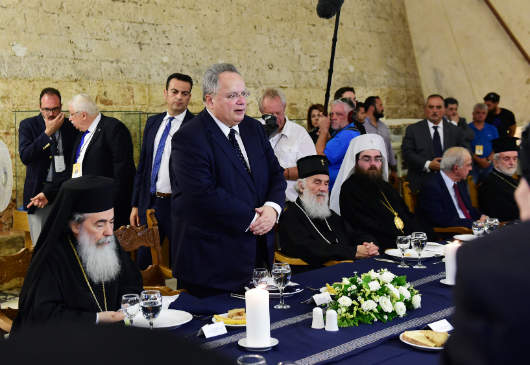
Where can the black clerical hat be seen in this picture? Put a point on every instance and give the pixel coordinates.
(312, 165)
(504, 144)
(90, 194)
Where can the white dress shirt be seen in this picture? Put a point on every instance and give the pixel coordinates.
(450, 186)
(226, 131)
(163, 184)
(431, 131)
(290, 145)
(87, 139)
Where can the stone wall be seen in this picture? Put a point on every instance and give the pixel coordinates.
(121, 51)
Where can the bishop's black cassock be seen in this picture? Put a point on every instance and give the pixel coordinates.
(496, 196)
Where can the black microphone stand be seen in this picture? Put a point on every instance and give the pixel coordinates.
(331, 61)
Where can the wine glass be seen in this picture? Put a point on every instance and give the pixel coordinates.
(281, 273)
(478, 228)
(491, 224)
(151, 303)
(419, 240)
(130, 305)
(259, 277)
(251, 359)
(403, 243)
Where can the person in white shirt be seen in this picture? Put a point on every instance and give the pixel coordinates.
(290, 142)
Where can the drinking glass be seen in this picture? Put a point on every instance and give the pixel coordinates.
(281, 273)
(259, 277)
(130, 305)
(251, 359)
(491, 224)
(151, 303)
(403, 243)
(419, 240)
(478, 228)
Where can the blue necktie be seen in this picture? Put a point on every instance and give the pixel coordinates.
(158, 156)
(78, 152)
(233, 141)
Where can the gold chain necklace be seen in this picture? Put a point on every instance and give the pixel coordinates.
(506, 181)
(86, 279)
(398, 222)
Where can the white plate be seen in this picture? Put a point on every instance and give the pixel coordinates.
(409, 254)
(445, 282)
(243, 343)
(426, 348)
(464, 237)
(168, 318)
(226, 324)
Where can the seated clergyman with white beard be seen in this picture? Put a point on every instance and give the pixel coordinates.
(78, 272)
(309, 230)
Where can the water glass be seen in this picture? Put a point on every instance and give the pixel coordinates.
(281, 274)
(418, 241)
(491, 224)
(251, 359)
(151, 304)
(260, 276)
(403, 243)
(130, 305)
(478, 228)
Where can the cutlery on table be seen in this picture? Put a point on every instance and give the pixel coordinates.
(385, 260)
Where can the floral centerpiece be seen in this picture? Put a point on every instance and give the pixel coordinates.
(373, 296)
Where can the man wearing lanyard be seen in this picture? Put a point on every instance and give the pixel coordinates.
(103, 149)
(45, 146)
(152, 187)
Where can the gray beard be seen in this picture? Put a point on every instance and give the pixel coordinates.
(506, 172)
(314, 208)
(101, 262)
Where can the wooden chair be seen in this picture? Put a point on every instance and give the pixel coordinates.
(13, 269)
(473, 191)
(21, 224)
(131, 238)
(409, 197)
(293, 261)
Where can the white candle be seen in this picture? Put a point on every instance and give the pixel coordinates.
(258, 319)
(450, 262)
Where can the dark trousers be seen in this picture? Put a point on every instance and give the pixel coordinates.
(162, 207)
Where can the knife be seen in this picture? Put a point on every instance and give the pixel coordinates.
(385, 260)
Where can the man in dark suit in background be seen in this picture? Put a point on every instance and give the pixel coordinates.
(45, 147)
(227, 190)
(104, 148)
(152, 186)
(491, 316)
(444, 200)
(426, 140)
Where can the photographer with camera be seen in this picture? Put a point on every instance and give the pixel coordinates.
(289, 140)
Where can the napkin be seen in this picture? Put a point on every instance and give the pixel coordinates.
(167, 300)
(206, 306)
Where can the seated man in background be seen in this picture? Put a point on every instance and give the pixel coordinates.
(364, 198)
(481, 149)
(78, 272)
(310, 230)
(488, 328)
(495, 194)
(444, 200)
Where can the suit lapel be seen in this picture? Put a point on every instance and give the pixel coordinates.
(224, 144)
(448, 138)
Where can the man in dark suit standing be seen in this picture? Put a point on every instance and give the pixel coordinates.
(444, 200)
(227, 190)
(152, 188)
(45, 146)
(491, 315)
(104, 148)
(426, 140)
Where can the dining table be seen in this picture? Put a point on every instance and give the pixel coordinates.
(376, 343)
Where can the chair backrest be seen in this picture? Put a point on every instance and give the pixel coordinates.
(473, 191)
(409, 197)
(21, 224)
(293, 261)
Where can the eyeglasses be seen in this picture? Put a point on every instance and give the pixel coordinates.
(234, 95)
(370, 159)
(508, 159)
(51, 110)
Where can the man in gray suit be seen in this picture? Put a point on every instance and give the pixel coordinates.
(426, 140)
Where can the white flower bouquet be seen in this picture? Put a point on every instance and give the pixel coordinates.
(373, 296)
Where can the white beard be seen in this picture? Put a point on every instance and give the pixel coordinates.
(100, 260)
(314, 208)
(507, 172)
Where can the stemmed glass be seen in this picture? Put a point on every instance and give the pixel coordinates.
(403, 243)
(419, 240)
(281, 273)
(259, 277)
(130, 305)
(491, 224)
(151, 303)
(478, 228)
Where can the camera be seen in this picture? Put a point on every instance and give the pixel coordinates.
(271, 124)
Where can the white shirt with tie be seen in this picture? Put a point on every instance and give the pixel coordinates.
(450, 186)
(440, 132)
